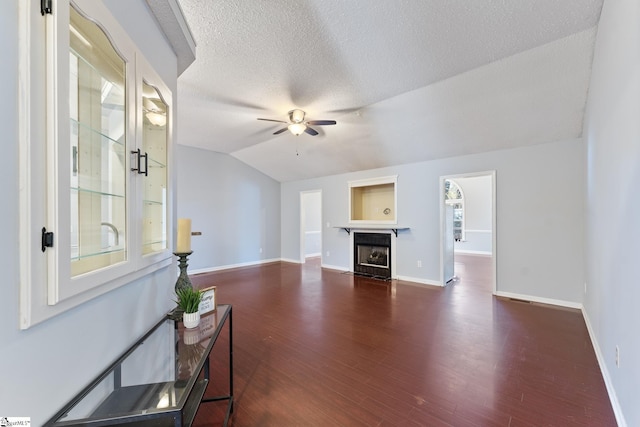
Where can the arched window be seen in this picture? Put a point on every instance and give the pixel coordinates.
(453, 196)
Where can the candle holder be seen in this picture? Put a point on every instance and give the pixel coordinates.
(183, 280)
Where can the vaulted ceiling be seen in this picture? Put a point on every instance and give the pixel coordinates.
(406, 80)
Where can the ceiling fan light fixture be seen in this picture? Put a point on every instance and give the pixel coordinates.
(296, 116)
(298, 125)
(297, 128)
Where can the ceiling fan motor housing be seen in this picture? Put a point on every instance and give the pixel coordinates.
(296, 116)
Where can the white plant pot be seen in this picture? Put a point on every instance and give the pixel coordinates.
(191, 320)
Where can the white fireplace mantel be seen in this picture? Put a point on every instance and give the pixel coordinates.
(380, 227)
(372, 228)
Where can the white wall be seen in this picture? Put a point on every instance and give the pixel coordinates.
(478, 225)
(236, 208)
(312, 205)
(539, 235)
(612, 134)
(44, 366)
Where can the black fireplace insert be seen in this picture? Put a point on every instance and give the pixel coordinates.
(372, 254)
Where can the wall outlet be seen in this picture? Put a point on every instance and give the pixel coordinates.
(328, 225)
(419, 264)
(617, 357)
(585, 287)
(260, 250)
(328, 253)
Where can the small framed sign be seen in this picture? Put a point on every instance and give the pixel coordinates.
(208, 302)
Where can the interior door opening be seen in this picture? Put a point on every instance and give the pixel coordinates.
(310, 224)
(468, 221)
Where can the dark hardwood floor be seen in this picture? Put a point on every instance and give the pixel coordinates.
(316, 347)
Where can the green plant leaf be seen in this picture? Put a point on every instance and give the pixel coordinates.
(188, 299)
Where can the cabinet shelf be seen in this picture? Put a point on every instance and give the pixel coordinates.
(155, 241)
(153, 203)
(156, 164)
(116, 250)
(76, 126)
(151, 247)
(96, 192)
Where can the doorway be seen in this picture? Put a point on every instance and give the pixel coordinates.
(468, 221)
(310, 224)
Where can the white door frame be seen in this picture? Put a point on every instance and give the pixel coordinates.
(302, 222)
(494, 249)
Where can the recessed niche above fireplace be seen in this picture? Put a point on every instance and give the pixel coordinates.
(373, 201)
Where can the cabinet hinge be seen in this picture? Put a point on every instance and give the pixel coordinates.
(47, 239)
(46, 7)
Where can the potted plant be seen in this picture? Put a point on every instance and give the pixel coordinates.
(189, 302)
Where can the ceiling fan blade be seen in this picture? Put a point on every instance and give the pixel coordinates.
(321, 122)
(271, 120)
(278, 132)
(311, 131)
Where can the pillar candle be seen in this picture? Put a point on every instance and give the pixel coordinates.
(183, 244)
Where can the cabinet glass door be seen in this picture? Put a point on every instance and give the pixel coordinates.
(154, 146)
(97, 100)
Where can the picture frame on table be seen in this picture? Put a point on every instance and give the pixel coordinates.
(208, 301)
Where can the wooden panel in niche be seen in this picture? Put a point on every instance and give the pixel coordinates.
(374, 202)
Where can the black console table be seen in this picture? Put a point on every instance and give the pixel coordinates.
(159, 381)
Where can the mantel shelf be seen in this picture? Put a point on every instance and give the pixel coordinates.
(391, 227)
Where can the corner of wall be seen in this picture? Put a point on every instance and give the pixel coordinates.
(613, 397)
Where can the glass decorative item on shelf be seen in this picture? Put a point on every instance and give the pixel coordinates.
(97, 100)
(154, 145)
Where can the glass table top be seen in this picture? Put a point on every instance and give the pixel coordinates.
(155, 376)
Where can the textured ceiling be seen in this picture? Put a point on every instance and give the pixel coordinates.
(407, 80)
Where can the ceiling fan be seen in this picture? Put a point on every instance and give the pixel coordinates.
(297, 124)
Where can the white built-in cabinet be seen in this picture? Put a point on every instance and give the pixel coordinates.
(95, 159)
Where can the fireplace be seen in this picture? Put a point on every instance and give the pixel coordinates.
(372, 254)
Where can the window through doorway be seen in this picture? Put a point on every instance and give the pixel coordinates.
(454, 197)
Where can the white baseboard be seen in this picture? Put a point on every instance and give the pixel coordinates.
(468, 252)
(259, 262)
(230, 266)
(418, 281)
(550, 301)
(334, 267)
(315, 255)
(613, 398)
